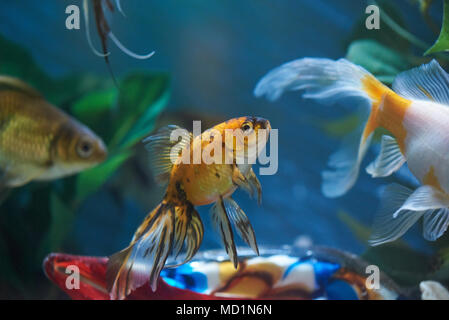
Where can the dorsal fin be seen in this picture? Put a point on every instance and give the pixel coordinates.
(160, 146)
(426, 82)
(11, 83)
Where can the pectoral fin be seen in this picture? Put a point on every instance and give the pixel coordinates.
(386, 227)
(241, 222)
(223, 225)
(424, 198)
(390, 159)
(401, 208)
(248, 182)
(435, 223)
(10, 179)
(255, 185)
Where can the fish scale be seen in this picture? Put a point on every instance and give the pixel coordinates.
(204, 186)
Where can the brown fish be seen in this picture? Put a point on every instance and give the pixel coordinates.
(39, 141)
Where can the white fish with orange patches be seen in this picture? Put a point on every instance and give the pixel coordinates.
(415, 112)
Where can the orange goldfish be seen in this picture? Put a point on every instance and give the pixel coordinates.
(416, 114)
(39, 141)
(175, 223)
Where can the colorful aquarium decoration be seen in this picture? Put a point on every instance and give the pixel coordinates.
(320, 273)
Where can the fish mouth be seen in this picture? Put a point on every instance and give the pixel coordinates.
(263, 123)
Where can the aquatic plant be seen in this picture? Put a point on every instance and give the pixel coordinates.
(442, 43)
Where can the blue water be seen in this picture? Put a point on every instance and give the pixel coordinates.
(215, 52)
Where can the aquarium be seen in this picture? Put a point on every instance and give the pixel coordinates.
(214, 150)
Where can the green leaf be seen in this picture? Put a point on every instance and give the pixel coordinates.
(21, 64)
(442, 43)
(91, 180)
(381, 61)
(94, 103)
(146, 122)
(96, 108)
(142, 97)
(386, 35)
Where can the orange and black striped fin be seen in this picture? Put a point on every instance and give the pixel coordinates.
(241, 223)
(144, 259)
(426, 82)
(331, 82)
(221, 222)
(165, 147)
(117, 264)
(147, 223)
(182, 222)
(195, 233)
(189, 231)
(188, 238)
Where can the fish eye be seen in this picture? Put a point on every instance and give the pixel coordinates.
(84, 148)
(247, 126)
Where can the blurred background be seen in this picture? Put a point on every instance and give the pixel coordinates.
(209, 57)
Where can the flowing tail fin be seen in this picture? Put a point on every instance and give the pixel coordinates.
(330, 81)
(166, 229)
